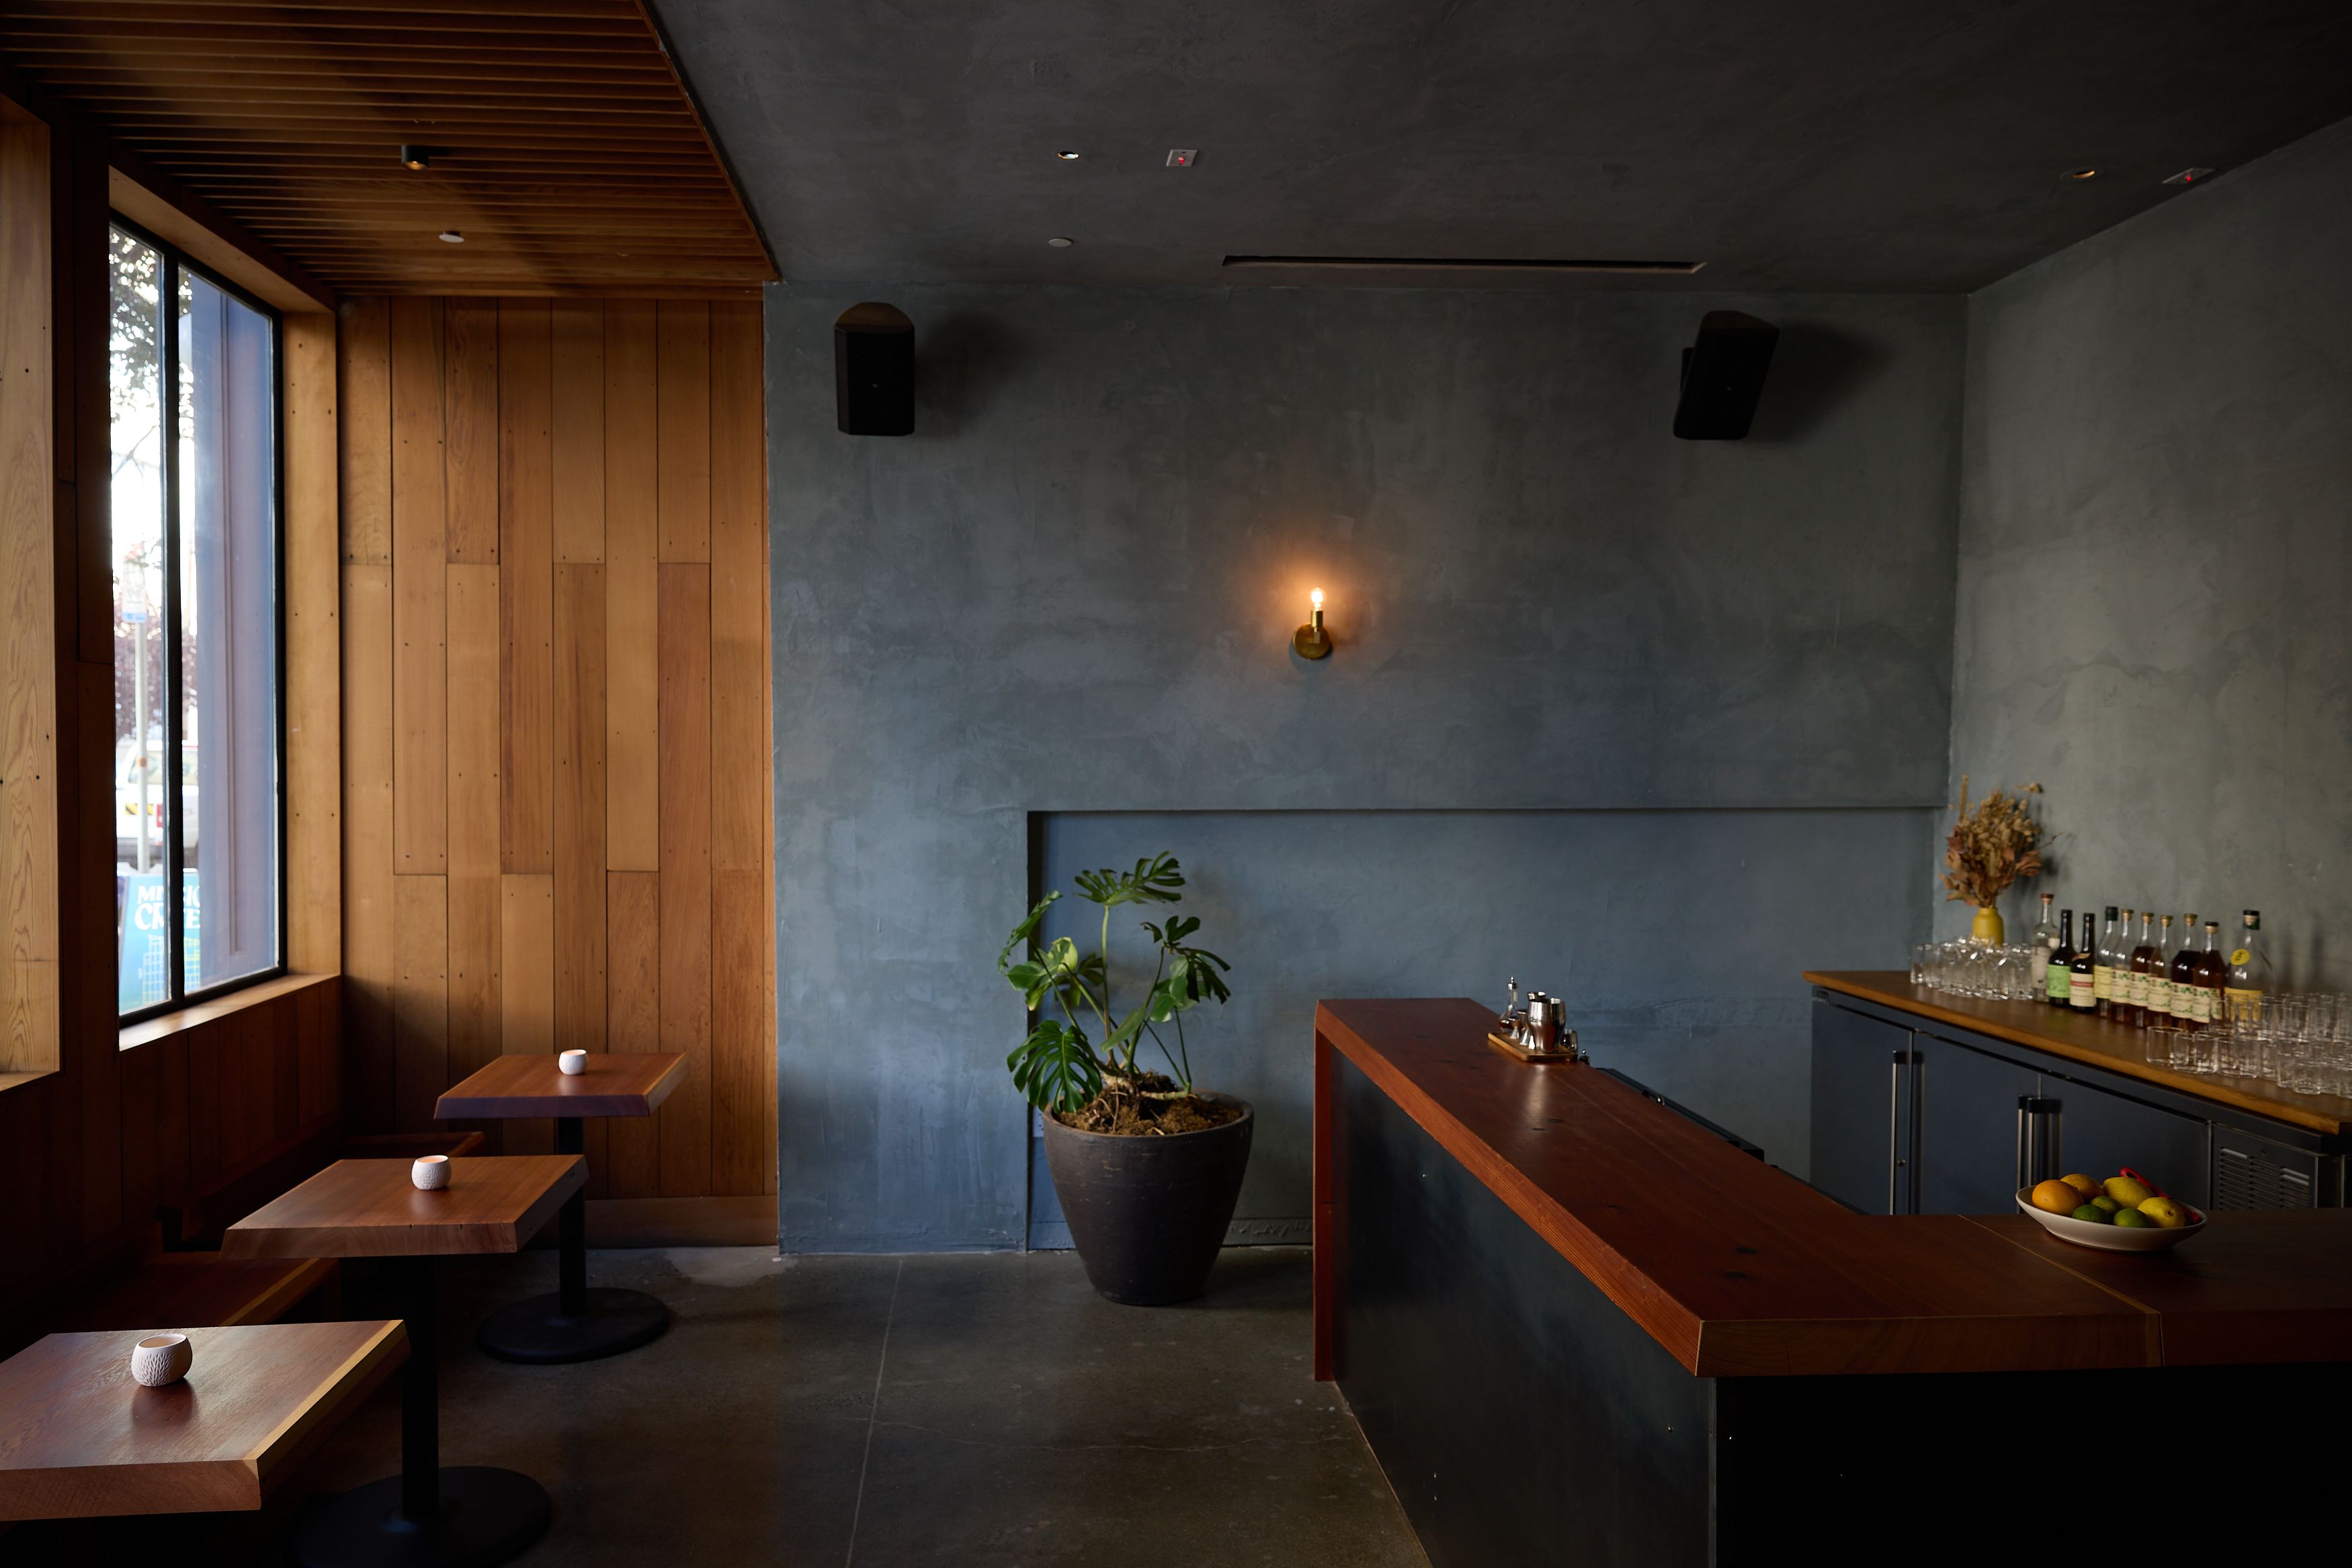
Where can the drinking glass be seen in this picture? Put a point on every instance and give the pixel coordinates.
(1922, 959)
(2180, 1049)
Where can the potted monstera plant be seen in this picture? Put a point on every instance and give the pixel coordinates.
(1148, 1167)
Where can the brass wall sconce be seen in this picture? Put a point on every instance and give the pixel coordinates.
(1310, 641)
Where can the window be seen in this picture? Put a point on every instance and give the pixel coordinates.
(199, 757)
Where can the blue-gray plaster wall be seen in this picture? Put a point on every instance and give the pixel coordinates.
(1650, 722)
(2155, 608)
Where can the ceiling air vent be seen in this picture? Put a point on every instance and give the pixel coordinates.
(1453, 263)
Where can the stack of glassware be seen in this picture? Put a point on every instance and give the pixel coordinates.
(2008, 972)
(2299, 1041)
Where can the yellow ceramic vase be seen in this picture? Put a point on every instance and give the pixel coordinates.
(1987, 927)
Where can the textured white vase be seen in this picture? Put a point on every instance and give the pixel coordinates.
(571, 1063)
(163, 1359)
(430, 1172)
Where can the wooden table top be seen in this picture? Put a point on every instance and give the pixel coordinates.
(623, 1083)
(2095, 1041)
(1737, 1268)
(370, 1208)
(79, 1439)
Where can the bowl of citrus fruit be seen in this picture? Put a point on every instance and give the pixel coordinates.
(2124, 1213)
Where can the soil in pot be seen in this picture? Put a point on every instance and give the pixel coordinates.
(1135, 1109)
(1148, 1209)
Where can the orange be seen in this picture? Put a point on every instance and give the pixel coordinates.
(2056, 1197)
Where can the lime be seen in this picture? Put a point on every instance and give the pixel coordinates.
(2104, 1204)
(2092, 1212)
(2131, 1219)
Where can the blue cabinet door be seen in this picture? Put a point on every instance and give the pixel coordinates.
(2101, 1132)
(1966, 1144)
(1861, 1110)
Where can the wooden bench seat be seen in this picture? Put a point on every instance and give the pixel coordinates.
(192, 1291)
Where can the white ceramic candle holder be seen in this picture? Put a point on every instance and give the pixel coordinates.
(161, 1360)
(430, 1172)
(571, 1063)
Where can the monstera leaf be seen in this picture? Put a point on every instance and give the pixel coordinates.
(1055, 1069)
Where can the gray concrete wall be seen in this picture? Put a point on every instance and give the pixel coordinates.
(1652, 678)
(2155, 612)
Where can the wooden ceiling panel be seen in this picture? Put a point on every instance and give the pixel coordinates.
(566, 148)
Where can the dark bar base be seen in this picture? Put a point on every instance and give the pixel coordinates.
(540, 1331)
(1522, 1417)
(484, 1515)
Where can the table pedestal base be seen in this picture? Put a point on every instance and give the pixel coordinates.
(486, 1516)
(538, 1330)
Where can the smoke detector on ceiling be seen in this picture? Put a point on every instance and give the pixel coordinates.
(1181, 157)
(2189, 176)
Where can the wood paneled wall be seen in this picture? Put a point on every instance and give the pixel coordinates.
(556, 820)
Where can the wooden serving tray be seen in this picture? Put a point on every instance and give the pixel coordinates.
(1518, 1052)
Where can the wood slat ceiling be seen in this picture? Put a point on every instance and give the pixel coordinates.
(566, 148)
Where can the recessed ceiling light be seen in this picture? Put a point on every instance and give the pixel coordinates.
(1058, 242)
(2081, 174)
(1067, 156)
(414, 157)
(451, 237)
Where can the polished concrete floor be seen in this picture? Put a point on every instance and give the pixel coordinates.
(870, 1411)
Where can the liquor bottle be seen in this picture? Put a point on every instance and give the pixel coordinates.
(2158, 977)
(2211, 971)
(2111, 950)
(2083, 975)
(2045, 931)
(2249, 973)
(2133, 973)
(2183, 972)
(2058, 974)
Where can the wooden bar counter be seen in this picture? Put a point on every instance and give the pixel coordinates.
(1576, 1325)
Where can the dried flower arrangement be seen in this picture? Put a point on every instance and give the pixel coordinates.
(1992, 845)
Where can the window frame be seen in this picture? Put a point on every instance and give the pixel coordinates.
(173, 261)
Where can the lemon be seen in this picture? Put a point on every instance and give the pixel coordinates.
(2056, 1197)
(2164, 1212)
(2127, 1192)
(2132, 1219)
(2081, 1184)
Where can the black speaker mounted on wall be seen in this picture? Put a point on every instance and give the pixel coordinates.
(874, 371)
(1723, 375)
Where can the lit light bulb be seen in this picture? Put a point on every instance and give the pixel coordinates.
(1308, 641)
(1315, 598)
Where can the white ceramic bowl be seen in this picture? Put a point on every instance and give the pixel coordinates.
(571, 1063)
(161, 1360)
(2110, 1237)
(430, 1172)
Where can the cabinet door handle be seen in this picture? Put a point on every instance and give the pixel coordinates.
(2037, 1139)
(1894, 1121)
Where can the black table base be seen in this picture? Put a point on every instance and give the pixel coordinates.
(544, 1330)
(484, 1516)
(574, 1323)
(466, 1516)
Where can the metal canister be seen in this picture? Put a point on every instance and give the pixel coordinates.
(1543, 1020)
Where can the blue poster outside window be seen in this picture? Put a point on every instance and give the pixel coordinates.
(144, 951)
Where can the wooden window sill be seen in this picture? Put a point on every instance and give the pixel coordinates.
(146, 1031)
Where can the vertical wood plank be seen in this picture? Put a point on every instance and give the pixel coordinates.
(631, 594)
(578, 355)
(172, 1130)
(580, 825)
(471, 422)
(527, 987)
(475, 759)
(320, 1091)
(741, 802)
(420, 1007)
(368, 963)
(204, 1107)
(633, 980)
(363, 453)
(682, 421)
(143, 1126)
(419, 579)
(526, 587)
(685, 874)
(741, 1039)
(314, 856)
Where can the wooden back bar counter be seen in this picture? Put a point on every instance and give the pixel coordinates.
(1575, 1324)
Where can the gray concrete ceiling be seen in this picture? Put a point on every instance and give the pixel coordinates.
(1801, 144)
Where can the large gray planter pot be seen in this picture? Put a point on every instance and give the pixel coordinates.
(1149, 1214)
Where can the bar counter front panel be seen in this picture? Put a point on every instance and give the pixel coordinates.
(1576, 1328)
